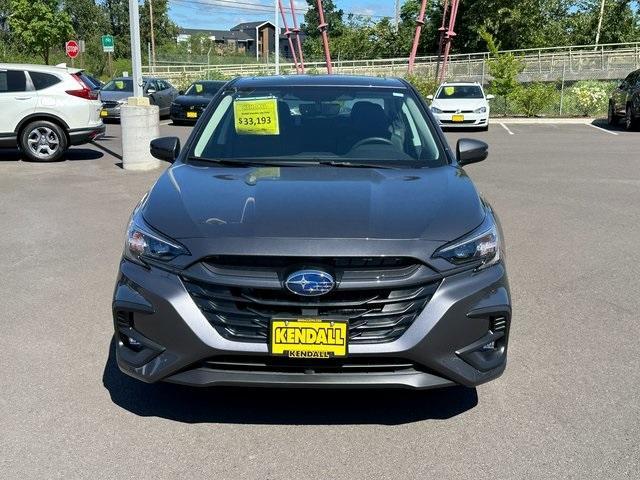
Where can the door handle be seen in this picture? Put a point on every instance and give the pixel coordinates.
(24, 98)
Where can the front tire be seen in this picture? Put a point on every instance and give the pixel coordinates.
(630, 121)
(43, 141)
(612, 118)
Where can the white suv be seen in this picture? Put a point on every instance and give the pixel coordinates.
(45, 109)
(458, 104)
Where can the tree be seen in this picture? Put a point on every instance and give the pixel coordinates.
(504, 68)
(332, 15)
(39, 25)
(164, 30)
(90, 22)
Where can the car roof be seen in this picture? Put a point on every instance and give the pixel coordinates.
(318, 81)
(40, 68)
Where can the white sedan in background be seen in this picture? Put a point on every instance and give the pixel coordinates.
(461, 105)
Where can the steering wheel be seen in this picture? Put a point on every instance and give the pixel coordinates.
(365, 141)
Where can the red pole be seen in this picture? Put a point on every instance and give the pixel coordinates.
(325, 38)
(296, 30)
(416, 38)
(287, 33)
(442, 29)
(449, 37)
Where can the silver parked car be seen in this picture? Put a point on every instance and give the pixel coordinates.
(115, 94)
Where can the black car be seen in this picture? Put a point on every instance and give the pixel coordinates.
(625, 102)
(314, 231)
(188, 107)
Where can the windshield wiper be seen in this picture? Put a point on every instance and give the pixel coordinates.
(339, 163)
(241, 162)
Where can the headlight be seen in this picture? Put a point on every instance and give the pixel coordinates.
(481, 247)
(144, 242)
(123, 101)
(480, 110)
(435, 109)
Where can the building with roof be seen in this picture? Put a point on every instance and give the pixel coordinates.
(251, 38)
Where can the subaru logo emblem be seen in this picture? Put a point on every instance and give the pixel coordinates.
(310, 283)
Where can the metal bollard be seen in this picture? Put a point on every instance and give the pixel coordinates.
(140, 124)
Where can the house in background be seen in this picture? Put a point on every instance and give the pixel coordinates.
(252, 38)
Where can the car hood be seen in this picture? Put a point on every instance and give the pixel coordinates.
(459, 103)
(192, 100)
(190, 201)
(114, 96)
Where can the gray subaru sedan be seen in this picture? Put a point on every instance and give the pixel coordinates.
(314, 231)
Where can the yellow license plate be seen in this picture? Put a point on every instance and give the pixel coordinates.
(104, 113)
(457, 118)
(192, 114)
(308, 338)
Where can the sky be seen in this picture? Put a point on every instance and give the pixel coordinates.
(224, 14)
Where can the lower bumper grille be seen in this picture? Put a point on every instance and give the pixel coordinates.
(374, 315)
(289, 365)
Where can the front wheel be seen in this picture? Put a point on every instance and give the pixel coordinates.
(43, 141)
(630, 122)
(612, 118)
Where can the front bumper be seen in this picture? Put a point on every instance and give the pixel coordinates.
(470, 120)
(110, 113)
(176, 343)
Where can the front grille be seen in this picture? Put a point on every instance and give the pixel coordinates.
(295, 365)
(452, 122)
(456, 111)
(375, 315)
(109, 104)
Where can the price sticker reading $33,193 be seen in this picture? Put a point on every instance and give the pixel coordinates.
(256, 116)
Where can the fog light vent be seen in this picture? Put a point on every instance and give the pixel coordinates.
(498, 324)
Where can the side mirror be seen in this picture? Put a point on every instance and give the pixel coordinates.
(469, 151)
(151, 91)
(490, 97)
(429, 97)
(165, 148)
(180, 92)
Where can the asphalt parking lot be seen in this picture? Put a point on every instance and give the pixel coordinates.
(568, 405)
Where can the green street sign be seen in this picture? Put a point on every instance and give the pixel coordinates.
(107, 43)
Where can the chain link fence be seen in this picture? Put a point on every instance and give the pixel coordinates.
(560, 81)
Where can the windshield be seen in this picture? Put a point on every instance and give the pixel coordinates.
(203, 89)
(119, 85)
(460, 91)
(293, 124)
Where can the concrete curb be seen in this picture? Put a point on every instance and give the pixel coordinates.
(524, 121)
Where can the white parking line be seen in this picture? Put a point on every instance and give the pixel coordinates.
(506, 128)
(165, 122)
(602, 129)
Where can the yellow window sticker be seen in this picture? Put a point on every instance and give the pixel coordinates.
(448, 91)
(256, 116)
(199, 88)
(119, 84)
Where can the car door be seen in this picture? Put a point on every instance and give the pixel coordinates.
(152, 91)
(18, 99)
(634, 95)
(165, 96)
(620, 94)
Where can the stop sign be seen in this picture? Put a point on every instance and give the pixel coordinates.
(72, 48)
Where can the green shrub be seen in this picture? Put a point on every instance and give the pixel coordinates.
(534, 99)
(425, 85)
(590, 97)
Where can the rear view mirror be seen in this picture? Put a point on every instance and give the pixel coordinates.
(429, 97)
(165, 148)
(490, 97)
(469, 151)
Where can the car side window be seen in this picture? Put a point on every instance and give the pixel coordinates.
(43, 80)
(12, 81)
(162, 85)
(152, 85)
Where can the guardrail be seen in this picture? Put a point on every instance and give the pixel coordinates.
(606, 61)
